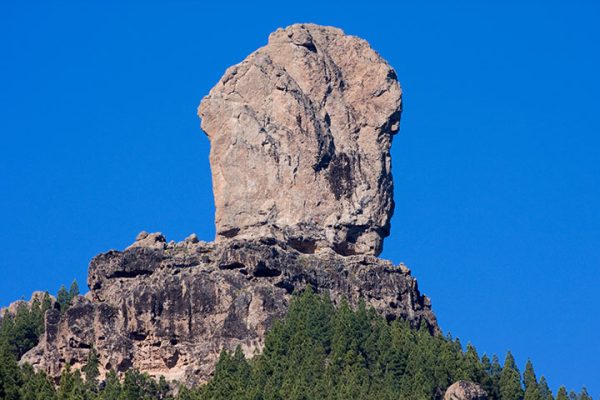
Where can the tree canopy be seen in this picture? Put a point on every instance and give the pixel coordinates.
(317, 351)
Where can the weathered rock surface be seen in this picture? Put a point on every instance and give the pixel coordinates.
(465, 390)
(300, 136)
(169, 308)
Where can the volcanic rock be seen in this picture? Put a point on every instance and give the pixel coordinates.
(169, 310)
(300, 136)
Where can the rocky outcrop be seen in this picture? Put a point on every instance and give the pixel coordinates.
(300, 136)
(169, 308)
(465, 390)
(36, 297)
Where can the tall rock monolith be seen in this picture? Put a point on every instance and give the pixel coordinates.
(300, 135)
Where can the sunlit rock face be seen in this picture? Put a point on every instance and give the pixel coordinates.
(300, 136)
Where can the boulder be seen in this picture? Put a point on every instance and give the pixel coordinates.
(465, 390)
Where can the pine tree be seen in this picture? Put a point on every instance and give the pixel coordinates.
(71, 385)
(112, 387)
(473, 370)
(583, 395)
(163, 388)
(494, 373)
(136, 386)
(545, 392)
(510, 380)
(529, 378)
(66, 384)
(232, 377)
(46, 303)
(562, 394)
(36, 385)
(10, 377)
(489, 383)
(91, 371)
(188, 394)
(532, 391)
(63, 299)
(73, 290)
(572, 395)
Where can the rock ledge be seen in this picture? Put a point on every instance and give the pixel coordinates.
(169, 308)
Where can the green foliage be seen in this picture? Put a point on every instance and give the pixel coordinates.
(73, 290)
(36, 385)
(140, 386)
(315, 352)
(583, 395)
(232, 377)
(562, 394)
(319, 352)
(21, 331)
(64, 297)
(90, 369)
(112, 387)
(510, 380)
(10, 377)
(532, 390)
(545, 392)
(71, 386)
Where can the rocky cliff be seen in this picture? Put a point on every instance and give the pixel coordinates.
(169, 308)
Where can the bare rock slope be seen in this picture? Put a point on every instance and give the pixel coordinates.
(300, 136)
(169, 308)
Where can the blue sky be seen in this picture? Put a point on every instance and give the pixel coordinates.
(496, 166)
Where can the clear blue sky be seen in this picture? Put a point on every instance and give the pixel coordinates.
(497, 165)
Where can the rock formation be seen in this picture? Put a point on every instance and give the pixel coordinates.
(169, 308)
(465, 390)
(13, 307)
(300, 136)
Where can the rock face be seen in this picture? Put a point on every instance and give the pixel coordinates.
(300, 136)
(465, 390)
(169, 308)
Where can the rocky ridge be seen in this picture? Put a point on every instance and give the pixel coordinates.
(169, 308)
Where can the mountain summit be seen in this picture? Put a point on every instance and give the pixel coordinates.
(300, 136)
